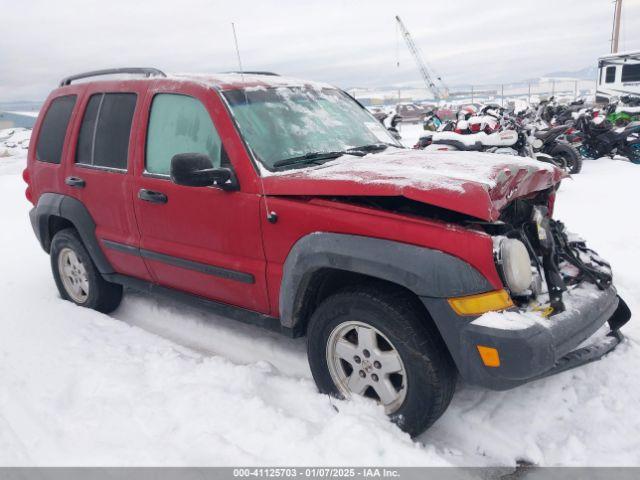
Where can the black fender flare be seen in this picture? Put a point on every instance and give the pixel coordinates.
(425, 272)
(73, 210)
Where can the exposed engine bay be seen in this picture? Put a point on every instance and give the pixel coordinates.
(558, 260)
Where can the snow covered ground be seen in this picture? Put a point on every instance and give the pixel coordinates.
(160, 384)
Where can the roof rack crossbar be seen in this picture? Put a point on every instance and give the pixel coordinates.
(148, 72)
(255, 72)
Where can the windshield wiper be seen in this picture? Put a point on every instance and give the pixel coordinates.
(313, 157)
(374, 147)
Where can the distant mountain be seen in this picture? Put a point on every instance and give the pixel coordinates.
(587, 73)
(21, 105)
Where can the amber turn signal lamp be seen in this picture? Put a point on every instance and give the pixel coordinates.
(481, 303)
(489, 355)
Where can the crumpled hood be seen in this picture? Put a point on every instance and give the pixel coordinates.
(475, 184)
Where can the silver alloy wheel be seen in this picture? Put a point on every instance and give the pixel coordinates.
(363, 361)
(73, 275)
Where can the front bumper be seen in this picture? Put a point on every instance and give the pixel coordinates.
(536, 346)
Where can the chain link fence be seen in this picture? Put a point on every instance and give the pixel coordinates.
(492, 93)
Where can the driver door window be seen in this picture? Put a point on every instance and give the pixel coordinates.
(179, 124)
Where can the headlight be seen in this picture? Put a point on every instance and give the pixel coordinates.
(515, 263)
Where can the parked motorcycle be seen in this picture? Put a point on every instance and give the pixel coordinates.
(623, 111)
(557, 148)
(553, 113)
(526, 141)
(597, 137)
(432, 122)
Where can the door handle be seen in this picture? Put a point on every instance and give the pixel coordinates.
(151, 196)
(75, 182)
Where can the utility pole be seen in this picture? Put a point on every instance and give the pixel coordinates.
(616, 27)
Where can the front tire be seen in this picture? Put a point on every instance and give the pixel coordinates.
(570, 155)
(76, 276)
(380, 344)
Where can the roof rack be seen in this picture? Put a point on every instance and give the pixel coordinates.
(256, 72)
(113, 71)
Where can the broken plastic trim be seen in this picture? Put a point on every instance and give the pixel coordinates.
(596, 351)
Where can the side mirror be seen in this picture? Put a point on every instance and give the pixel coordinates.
(196, 170)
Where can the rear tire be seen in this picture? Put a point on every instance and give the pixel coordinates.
(424, 377)
(570, 155)
(634, 153)
(76, 276)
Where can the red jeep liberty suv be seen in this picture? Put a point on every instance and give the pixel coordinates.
(285, 204)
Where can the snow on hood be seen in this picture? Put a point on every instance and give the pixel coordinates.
(476, 184)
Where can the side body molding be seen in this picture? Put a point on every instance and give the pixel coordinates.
(426, 272)
(55, 204)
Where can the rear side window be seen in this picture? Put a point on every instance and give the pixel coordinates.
(631, 73)
(179, 124)
(54, 128)
(610, 76)
(105, 130)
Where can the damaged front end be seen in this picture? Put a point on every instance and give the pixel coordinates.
(539, 260)
(562, 293)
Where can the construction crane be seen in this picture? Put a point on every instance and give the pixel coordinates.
(439, 93)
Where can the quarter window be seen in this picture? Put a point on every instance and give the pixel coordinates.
(54, 128)
(105, 131)
(179, 124)
(610, 76)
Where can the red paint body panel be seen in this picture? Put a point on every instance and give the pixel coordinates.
(108, 193)
(209, 226)
(229, 229)
(297, 218)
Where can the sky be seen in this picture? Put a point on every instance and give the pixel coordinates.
(347, 43)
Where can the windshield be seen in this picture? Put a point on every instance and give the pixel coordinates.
(286, 123)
